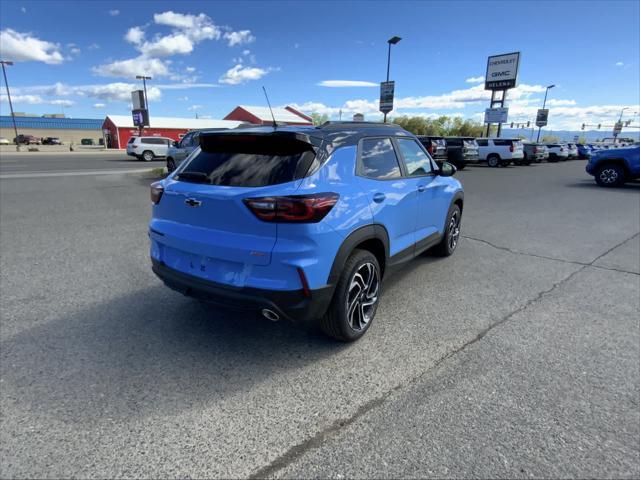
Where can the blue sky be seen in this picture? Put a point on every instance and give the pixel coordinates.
(208, 57)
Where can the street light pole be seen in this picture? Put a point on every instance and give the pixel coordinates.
(615, 134)
(13, 117)
(544, 104)
(144, 86)
(391, 41)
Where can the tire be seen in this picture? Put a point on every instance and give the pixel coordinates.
(147, 155)
(610, 175)
(360, 281)
(553, 158)
(460, 166)
(493, 160)
(452, 233)
(171, 164)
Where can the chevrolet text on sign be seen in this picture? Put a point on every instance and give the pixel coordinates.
(502, 71)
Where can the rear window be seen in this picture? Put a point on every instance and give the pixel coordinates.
(502, 143)
(454, 142)
(248, 161)
(379, 159)
(132, 139)
(482, 142)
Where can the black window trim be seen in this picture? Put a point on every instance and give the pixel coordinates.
(359, 172)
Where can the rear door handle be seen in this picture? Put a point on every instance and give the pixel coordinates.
(379, 197)
(422, 188)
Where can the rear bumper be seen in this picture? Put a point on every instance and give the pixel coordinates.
(289, 304)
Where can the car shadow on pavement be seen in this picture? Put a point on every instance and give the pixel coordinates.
(148, 352)
(630, 187)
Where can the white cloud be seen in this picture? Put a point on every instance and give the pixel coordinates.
(23, 9)
(21, 47)
(37, 100)
(93, 46)
(114, 13)
(195, 107)
(479, 79)
(190, 69)
(619, 64)
(246, 52)
(241, 37)
(134, 35)
(174, 44)
(552, 102)
(99, 105)
(241, 74)
(75, 51)
(197, 27)
(132, 67)
(346, 83)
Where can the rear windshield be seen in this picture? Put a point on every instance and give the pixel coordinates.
(470, 143)
(248, 161)
(132, 139)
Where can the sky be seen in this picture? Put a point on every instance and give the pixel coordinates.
(81, 58)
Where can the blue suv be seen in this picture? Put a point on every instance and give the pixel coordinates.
(302, 223)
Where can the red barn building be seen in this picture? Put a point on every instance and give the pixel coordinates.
(262, 115)
(118, 129)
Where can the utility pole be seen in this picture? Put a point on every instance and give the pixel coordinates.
(13, 117)
(543, 105)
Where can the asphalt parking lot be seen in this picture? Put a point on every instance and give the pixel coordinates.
(517, 357)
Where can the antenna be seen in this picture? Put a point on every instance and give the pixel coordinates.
(275, 125)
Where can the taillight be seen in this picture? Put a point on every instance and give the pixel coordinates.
(134, 146)
(156, 192)
(511, 148)
(293, 208)
(430, 148)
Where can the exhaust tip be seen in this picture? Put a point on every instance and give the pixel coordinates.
(270, 315)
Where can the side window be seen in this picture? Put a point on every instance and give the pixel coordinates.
(415, 159)
(195, 139)
(502, 143)
(379, 159)
(482, 142)
(186, 140)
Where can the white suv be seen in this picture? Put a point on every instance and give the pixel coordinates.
(148, 148)
(500, 151)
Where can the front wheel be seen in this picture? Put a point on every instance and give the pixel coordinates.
(451, 236)
(493, 160)
(610, 175)
(355, 300)
(171, 164)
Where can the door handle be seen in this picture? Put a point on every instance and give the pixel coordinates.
(421, 188)
(379, 197)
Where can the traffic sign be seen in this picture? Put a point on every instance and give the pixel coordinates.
(542, 117)
(617, 128)
(496, 115)
(386, 96)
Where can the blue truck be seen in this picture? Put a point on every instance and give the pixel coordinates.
(615, 167)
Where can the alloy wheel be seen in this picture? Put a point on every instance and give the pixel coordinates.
(454, 231)
(609, 175)
(362, 297)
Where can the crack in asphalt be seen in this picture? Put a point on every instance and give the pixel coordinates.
(297, 451)
(573, 262)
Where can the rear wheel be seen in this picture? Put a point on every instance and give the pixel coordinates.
(147, 155)
(553, 158)
(460, 166)
(493, 160)
(610, 175)
(355, 300)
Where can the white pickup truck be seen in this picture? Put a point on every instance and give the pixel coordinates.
(500, 151)
(557, 152)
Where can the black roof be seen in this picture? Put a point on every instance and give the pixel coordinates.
(342, 132)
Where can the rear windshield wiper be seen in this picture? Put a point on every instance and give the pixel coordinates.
(195, 176)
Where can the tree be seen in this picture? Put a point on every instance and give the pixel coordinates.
(442, 125)
(550, 139)
(319, 119)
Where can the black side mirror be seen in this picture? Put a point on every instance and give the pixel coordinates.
(447, 170)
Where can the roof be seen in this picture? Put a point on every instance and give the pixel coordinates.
(126, 121)
(281, 114)
(52, 123)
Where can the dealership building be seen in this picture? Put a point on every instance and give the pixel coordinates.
(263, 115)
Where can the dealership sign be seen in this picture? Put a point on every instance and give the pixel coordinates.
(541, 117)
(617, 128)
(502, 71)
(140, 117)
(496, 115)
(386, 96)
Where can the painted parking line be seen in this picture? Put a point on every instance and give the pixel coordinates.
(72, 174)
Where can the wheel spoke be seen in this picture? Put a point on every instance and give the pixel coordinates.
(362, 296)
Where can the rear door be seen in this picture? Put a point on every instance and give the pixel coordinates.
(392, 197)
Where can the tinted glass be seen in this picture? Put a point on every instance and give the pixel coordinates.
(502, 143)
(454, 142)
(482, 143)
(248, 161)
(416, 160)
(132, 139)
(379, 159)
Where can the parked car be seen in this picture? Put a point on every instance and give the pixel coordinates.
(436, 146)
(534, 152)
(302, 223)
(572, 150)
(181, 149)
(51, 141)
(26, 140)
(557, 152)
(462, 151)
(148, 148)
(86, 141)
(584, 150)
(500, 151)
(4, 141)
(613, 168)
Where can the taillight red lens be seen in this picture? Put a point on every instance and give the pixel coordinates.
(293, 208)
(156, 192)
(511, 148)
(430, 149)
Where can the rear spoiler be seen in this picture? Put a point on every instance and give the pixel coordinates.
(214, 141)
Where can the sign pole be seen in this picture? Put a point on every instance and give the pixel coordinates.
(504, 96)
